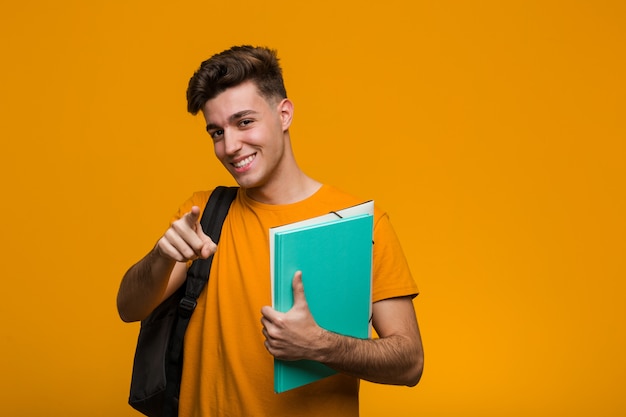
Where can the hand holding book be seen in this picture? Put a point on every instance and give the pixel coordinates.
(334, 254)
(292, 335)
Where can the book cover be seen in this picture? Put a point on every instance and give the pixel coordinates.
(335, 257)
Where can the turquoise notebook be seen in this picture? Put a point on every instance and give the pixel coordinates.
(335, 258)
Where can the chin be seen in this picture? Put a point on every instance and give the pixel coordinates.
(246, 182)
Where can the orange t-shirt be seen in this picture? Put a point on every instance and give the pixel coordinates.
(227, 371)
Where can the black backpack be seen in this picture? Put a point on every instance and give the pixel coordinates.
(158, 363)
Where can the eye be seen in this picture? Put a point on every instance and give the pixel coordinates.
(216, 134)
(245, 122)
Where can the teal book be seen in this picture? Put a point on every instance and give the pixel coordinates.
(335, 257)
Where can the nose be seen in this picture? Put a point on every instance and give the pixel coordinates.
(232, 142)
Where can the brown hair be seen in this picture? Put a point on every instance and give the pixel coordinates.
(233, 67)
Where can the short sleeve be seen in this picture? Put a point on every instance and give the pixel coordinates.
(391, 276)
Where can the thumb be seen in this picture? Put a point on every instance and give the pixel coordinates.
(208, 246)
(298, 289)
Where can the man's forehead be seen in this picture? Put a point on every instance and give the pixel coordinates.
(234, 102)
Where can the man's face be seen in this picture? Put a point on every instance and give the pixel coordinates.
(248, 134)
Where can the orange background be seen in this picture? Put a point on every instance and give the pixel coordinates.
(493, 132)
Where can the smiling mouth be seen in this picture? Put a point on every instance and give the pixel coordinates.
(244, 162)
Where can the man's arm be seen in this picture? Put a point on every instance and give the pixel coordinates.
(163, 270)
(396, 357)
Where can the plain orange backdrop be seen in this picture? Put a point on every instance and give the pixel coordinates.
(493, 133)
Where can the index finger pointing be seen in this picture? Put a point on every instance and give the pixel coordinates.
(193, 216)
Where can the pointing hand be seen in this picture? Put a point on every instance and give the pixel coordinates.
(185, 240)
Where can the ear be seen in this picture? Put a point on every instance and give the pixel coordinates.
(285, 110)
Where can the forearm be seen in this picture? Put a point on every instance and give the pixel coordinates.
(395, 359)
(143, 286)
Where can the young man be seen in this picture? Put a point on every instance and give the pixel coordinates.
(234, 334)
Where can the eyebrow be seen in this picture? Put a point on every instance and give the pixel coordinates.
(233, 117)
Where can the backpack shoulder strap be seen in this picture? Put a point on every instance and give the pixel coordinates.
(212, 220)
(197, 276)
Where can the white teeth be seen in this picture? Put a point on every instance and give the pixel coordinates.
(244, 162)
